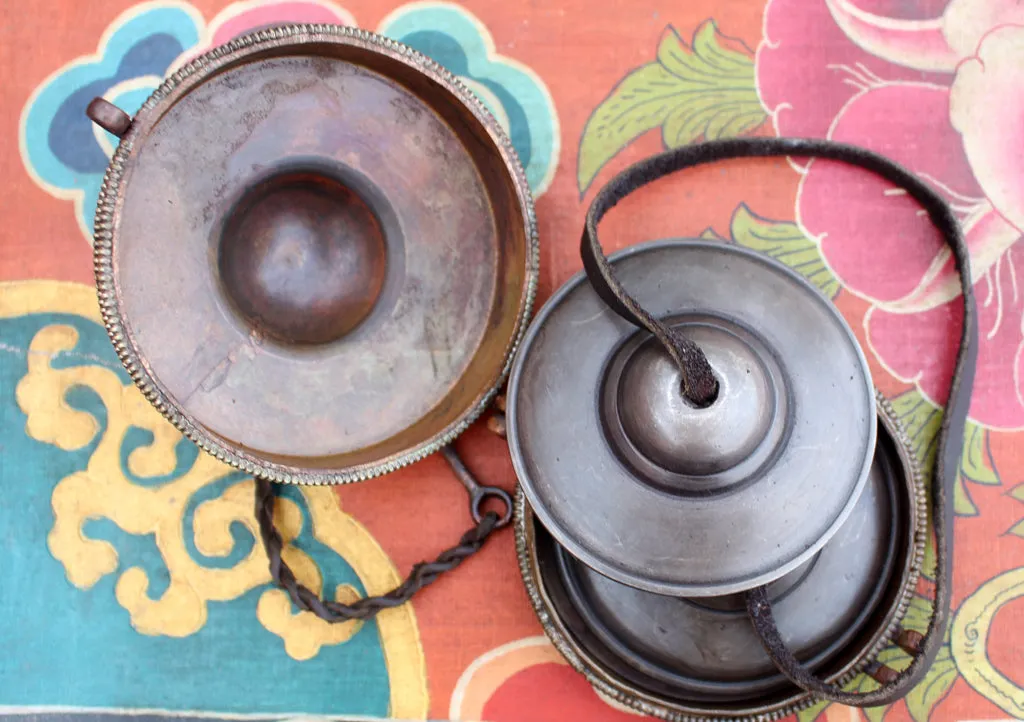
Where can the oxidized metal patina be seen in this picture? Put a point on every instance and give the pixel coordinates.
(676, 657)
(315, 254)
(641, 485)
(315, 251)
(718, 516)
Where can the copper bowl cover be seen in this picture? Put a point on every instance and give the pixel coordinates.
(316, 252)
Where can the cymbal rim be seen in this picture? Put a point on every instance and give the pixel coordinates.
(645, 702)
(110, 199)
(621, 564)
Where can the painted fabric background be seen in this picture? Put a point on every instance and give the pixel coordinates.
(132, 582)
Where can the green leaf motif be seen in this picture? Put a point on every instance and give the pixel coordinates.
(922, 419)
(810, 714)
(940, 676)
(935, 686)
(875, 714)
(963, 505)
(704, 90)
(977, 463)
(710, 234)
(893, 657)
(1017, 493)
(930, 560)
(925, 696)
(785, 242)
(919, 614)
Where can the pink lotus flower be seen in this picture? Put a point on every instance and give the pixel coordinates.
(934, 85)
(246, 16)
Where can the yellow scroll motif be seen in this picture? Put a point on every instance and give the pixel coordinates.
(969, 639)
(103, 491)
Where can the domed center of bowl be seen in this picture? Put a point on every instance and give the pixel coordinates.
(302, 257)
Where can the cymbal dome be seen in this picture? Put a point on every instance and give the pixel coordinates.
(694, 443)
(657, 494)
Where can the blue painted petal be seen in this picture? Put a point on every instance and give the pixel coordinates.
(456, 40)
(70, 135)
(59, 142)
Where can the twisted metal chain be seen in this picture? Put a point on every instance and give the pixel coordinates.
(422, 574)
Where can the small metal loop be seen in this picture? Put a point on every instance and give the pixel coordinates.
(478, 494)
(478, 498)
(109, 117)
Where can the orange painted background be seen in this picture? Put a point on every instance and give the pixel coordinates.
(581, 51)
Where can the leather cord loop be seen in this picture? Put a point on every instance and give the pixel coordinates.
(951, 432)
(700, 386)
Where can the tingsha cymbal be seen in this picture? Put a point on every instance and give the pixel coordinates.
(675, 657)
(315, 251)
(649, 490)
(713, 521)
(644, 520)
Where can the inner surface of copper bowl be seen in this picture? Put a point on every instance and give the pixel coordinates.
(316, 253)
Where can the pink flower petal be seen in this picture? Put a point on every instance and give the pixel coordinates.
(874, 241)
(245, 17)
(1018, 373)
(808, 69)
(921, 346)
(903, 10)
(918, 44)
(966, 22)
(818, 83)
(987, 237)
(987, 107)
(872, 234)
(917, 347)
(908, 122)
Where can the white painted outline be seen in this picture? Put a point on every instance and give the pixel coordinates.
(846, 16)
(881, 21)
(77, 195)
(208, 31)
(458, 697)
(491, 101)
(494, 56)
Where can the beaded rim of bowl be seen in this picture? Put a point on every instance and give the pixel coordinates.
(109, 200)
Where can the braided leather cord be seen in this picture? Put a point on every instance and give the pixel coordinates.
(688, 358)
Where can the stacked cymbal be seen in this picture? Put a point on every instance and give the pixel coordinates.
(644, 518)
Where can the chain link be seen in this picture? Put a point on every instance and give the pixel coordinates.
(422, 574)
